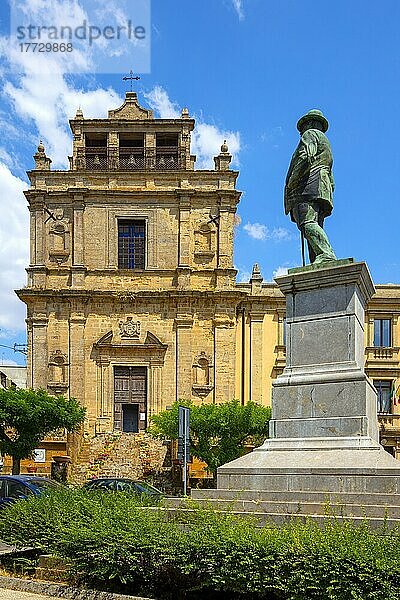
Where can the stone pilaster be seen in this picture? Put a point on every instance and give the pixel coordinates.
(29, 359)
(150, 150)
(183, 334)
(225, 237)
(113, 150)
(224, 357)
(104, 396)
(78, 269)
(77, 322)
(39, 350)
(256, 320)
(184, 230)
(155, 393)
(37, 273)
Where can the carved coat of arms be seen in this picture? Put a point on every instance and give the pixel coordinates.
(129, 328)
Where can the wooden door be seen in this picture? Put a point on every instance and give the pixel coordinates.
(130, 388)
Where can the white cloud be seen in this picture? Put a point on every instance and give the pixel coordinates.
(279, 272)
(47, 101)
(161, 103)
(206, 143)
(14, 248)
(206, 138)
(243, 275)
(238, 6)
(258, 231)
(280, 234)
(43, 97)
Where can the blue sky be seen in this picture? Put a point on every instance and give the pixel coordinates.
(246, 70)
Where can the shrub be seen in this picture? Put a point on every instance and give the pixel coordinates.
(117, 542)
(218, 432)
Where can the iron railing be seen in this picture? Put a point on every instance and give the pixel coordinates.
(131, 159)
(165, 158)
(96, 158)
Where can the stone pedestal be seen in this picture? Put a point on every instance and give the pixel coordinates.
(324, 428)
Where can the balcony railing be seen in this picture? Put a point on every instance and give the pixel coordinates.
(280, 359)
(381, 357)
(96, 158)
(131, 159)
(165, 158)
(389, 423)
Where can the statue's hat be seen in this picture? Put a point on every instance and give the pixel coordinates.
(313, 115)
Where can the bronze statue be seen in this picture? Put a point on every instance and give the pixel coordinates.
(309, 185)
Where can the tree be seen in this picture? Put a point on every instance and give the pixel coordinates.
(27, 416)
(218, 432)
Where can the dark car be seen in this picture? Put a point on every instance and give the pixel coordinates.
(115, 484)
(19, 487)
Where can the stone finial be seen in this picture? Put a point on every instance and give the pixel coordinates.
(256, 274)
(42, 162)
(223, 160)
(185, 113)
(79, 113)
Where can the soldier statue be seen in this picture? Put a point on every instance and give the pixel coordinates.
(309, 186)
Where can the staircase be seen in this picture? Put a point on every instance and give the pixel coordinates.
(377, 509)
(131, 455)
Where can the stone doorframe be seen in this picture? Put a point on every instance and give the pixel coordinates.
(108, 354)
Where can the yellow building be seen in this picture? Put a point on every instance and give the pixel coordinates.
(132, 300)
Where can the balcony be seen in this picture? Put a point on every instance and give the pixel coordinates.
(380, 358)
(280, 360)
(92, 158)
(389, 429)
(167, 158)
(131, 159)
(96, 158)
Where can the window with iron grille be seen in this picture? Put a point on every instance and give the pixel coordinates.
(383, 388)
(131, 244)
(382, 333)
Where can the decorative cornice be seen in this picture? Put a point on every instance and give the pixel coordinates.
(330, 276)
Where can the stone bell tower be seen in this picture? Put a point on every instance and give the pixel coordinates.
(131, 293)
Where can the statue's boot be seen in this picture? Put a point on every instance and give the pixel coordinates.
(318, 240)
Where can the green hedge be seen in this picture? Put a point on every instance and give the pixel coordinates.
(118, 543)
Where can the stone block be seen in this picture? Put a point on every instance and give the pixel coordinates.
(324, 400)
(319, 427)
(325, 341)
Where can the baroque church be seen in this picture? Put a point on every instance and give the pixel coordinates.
(132, 300)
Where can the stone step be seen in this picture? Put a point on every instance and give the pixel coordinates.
(298, 496)
(297, 508)
(279, 518)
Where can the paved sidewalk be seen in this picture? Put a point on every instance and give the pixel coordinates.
(14, 588)
(17, 595)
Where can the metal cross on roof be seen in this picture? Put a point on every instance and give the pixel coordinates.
(131, 78)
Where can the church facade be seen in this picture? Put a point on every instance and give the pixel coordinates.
(132, 300)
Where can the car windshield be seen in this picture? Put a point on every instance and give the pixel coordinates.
(44, 484)
(146, 488)
(100, 484)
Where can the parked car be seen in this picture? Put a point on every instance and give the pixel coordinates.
(19, 487)
(116, 484)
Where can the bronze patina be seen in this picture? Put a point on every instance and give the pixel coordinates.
(309, 185)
